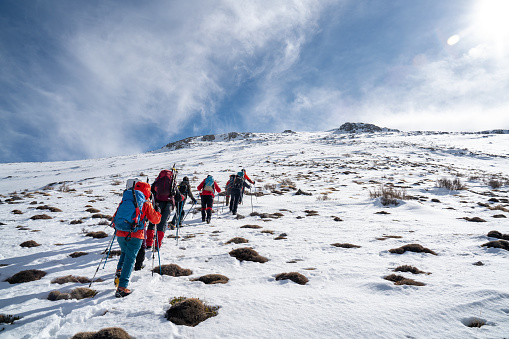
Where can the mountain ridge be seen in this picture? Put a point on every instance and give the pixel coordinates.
(347, 128)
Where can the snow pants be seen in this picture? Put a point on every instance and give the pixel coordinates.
(235, 200)
(166, 207)
(129, 250)
(206, 206)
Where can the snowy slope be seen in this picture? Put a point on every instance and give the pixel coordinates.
(346, 296)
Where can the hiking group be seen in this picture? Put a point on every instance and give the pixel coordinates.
(144, 204)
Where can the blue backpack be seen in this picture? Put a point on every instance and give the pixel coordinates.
(128, 215)
(209, 184)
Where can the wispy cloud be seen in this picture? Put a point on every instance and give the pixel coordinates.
(126, 68)
(102, 78)
(464, 93)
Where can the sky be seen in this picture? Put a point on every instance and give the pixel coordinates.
(90, 79)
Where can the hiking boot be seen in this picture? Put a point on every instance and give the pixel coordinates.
(122, 292)
(208, 220)
(139, 268)
(117, 277)
(171, 226)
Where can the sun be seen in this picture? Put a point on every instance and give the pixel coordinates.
(492, 20)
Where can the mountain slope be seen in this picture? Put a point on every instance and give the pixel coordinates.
(346, 296)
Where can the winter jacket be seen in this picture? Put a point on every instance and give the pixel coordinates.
(185, 190)
(204, 192)
(147, 211)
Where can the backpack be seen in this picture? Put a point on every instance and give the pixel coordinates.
(183, 187)
(229, 184)
(238, 182)
(209, 184)
(164, 186)
(128, 215)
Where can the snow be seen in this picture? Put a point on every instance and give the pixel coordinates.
(346, 296)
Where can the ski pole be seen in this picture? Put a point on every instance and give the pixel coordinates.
(105, 252)
(158, 255)
(178, 219)
(185, 215)
(252, 208)
(188, 212)
(153, 255)
(109, 251)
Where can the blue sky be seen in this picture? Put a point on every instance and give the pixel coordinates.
(88, 79)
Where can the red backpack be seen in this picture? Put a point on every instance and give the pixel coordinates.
(164, 186)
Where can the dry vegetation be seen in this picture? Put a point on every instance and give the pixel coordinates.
(247, 254)
(70, 278)
(388, 195)
(411, 248)
(189, 311)
(293, 276)
(451, 185)
(345, 245)
(172, 270)
(212, 279)
(26, 276)
(105, 333)
(400, 280)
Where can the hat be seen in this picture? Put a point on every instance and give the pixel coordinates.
(144, 188)
(185, 179)
(240, 174)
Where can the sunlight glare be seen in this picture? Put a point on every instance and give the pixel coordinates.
(492, 20)
(453, 40)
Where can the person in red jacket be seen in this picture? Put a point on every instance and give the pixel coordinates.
(130, 242)
(207, 187)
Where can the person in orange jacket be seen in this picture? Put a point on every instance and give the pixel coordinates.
(207, 187)
(130, 242)
(246, 177)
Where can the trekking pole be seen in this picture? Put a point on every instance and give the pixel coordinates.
(178, 219)
(153, 256)
(252, 208)
(184, 218)
(217, 212)
(106, 251)
(158, 255)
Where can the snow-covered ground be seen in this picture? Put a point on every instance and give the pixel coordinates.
(346, 296)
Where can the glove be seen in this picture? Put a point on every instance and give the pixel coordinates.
(194, 201)
(158, 209)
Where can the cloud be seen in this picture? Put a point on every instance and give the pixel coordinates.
(465, 93)
(103, 78)
(119, 71)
